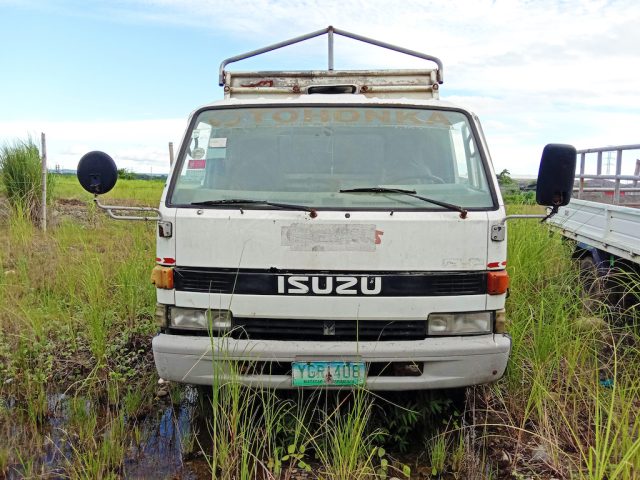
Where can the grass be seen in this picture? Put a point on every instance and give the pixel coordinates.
(572, 381)
(139, 192)
(76, 311)
(76, 317)
(21, 177)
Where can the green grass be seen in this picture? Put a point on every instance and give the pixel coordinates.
(555, 389)
(74, 302)
(76, 316)
(138, 192)
(21, 177)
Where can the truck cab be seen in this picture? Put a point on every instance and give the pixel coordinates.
(332, 228)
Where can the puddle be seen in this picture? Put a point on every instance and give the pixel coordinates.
(164, 432)
(154, 446)
(80, 438)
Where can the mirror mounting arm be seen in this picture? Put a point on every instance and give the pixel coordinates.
(498, 230)
(110, 211)
(552, 211)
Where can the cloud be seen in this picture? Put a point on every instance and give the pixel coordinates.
(535, 72)
(136, 145)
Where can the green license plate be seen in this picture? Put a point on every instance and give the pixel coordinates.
(324, 373)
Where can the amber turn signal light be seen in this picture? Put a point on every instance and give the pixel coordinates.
(162, 277)
(497, 282)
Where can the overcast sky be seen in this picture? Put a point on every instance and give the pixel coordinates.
(123, 75)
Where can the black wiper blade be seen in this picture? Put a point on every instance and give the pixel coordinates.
(245, 201)
(227, 201)
(411, 193)
(376, 190)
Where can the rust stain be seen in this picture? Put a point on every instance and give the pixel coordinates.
(261, 83)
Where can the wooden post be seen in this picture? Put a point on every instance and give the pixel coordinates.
(43, 211)
(170, 154)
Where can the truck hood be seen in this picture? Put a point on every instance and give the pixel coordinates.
(333, 241)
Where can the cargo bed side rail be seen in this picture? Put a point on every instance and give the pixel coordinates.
(631, 181)
(610, 228)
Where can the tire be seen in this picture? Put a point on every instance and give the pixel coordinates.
(593, 290)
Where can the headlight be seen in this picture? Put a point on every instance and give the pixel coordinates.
(459, 323)
(199, 319)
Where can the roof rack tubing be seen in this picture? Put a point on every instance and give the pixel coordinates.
(389, 46)
(330, 48)
(330, 30)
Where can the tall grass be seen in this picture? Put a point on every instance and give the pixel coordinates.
(572, 379)
(21, 175)
(76, 315)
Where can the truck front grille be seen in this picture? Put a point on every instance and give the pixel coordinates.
(328, 330)
(271, 281)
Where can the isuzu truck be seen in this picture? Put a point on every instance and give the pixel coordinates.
(333, 229)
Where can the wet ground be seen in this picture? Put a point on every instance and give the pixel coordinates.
(159, 445)
(170, 439)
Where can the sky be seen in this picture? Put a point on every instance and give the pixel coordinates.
(122, 76)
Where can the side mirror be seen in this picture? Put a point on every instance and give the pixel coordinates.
(97, 172)
(556, 175)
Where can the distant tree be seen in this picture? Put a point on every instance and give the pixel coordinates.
(504, 178)
(124, 174)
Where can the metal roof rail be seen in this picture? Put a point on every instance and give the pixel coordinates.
(330, 31)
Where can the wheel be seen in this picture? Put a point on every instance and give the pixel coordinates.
(593, 291)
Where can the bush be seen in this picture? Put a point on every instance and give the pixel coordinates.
(21, 175)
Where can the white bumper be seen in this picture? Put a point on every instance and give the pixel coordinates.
(449, 362)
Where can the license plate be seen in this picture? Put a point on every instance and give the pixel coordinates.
(327, 373)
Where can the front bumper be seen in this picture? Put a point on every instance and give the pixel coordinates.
(446, 362)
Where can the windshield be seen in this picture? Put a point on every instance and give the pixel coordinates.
(306, 155)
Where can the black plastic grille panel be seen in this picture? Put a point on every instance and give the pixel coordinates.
(345, 330)
(393, 284)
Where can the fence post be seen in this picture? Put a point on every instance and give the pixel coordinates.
(616, 191)
(170, 154)
(581, 189)
(43, 211)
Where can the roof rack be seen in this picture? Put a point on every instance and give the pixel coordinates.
(330, 31)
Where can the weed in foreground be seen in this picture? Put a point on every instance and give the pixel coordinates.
(563, 407)
(21, 175)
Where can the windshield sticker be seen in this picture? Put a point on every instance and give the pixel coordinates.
(217, 153)
(330, 237)
(198, 153)
(195, 175)
(321, 116)
(217, 143)
(196, 164)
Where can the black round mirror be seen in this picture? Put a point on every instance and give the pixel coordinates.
(97, 172)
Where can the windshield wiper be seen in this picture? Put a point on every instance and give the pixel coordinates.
(245, 201)
(411, 193)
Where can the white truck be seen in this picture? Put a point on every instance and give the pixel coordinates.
(333, 228)
(606, 229)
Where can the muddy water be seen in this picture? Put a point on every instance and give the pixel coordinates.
(162, 448)
(161, 454)
(164, 441)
